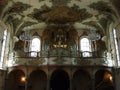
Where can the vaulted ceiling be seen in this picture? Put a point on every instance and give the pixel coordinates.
(40, 14)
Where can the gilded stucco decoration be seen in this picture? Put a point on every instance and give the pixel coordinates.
(60, 35)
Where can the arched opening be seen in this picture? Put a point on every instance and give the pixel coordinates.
(15, 80)
(59, 80)
(35, 46)
(85, 47)
(81, 80)
(3, 48)
(116, 46)
(37, 80)
(85, 44)
(103, 80)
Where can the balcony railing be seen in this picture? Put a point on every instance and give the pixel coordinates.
(59, 57)
(61, 53)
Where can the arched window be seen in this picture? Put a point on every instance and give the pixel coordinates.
(116, 46)
(85, 46)
(35, 46)
(3, 47)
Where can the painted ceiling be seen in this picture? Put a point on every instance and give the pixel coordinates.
(40, 14)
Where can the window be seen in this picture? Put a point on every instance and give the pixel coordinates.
(85, 47)
(35, 47)
(116, 46)
(3, 47)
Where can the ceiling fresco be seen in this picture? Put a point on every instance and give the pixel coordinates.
(80, 14)
(61, 15)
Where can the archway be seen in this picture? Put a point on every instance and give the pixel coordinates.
(81, 80)
(14, 81)
(103, 80)
(37, 80)
(59, 80)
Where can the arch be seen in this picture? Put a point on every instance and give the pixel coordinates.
(37, 80)
(3, 49)
(116, 45)
(59, 80)
(85, 44)
(81, 80)
(14, 81)
(35, 46)
(103, 80)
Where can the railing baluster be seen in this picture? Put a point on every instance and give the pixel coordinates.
(54, 54)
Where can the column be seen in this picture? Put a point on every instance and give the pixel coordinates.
(5, 79)
(26, 83)
(27, 77)
(93, 82)
(48, 83)
(70, 83)
(71, 79)
(48, 79)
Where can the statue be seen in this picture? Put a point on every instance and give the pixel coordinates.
(19, 45)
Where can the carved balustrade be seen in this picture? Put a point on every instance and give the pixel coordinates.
(59, 57)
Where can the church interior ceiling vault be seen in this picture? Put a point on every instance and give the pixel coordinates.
(82, 15)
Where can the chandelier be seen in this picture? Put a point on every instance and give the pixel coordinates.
(25, 35)
(94, 35)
